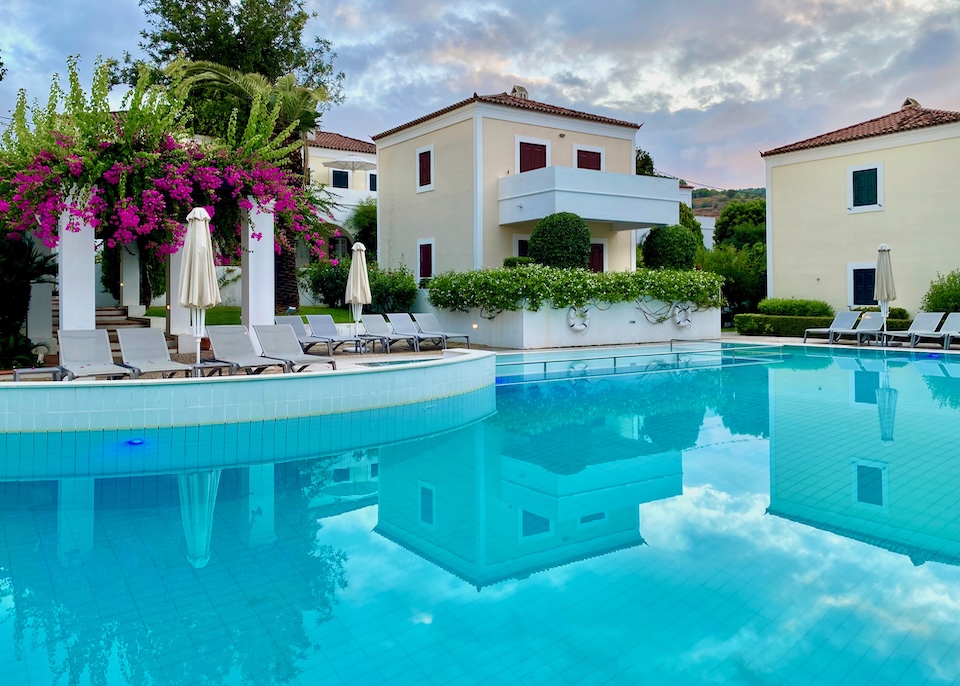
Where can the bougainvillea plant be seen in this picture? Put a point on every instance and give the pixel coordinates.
(135, 173)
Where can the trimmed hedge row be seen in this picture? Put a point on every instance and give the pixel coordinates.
(794, 307)
(767, 325)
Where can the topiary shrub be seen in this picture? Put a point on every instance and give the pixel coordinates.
(895, 312)
(511, 262)
(669, 247)
(560, 240)
(794, 307)
(943, 294)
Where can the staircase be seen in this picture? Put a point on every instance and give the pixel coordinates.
(111, 319)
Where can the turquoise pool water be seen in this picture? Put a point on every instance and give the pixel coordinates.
(789, 522)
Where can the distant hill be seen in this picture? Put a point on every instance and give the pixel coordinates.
(709, 203)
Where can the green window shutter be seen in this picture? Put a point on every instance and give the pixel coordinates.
(865, 187)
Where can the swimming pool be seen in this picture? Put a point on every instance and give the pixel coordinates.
(795, 522)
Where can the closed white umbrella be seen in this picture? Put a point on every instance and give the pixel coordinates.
(884, 290)
(886, 406)
(198, 276)
(351, 163)
(358, 283)
(198, 497)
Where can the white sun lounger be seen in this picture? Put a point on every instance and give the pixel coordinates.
(924, 323)
(946, 335)
(403, 325)
(232, 345)
(145, 350)
(306, 340)
(428, 324)
(869, 326)
(279, 342)
(323, 326)
(843, 320)
(87, 353)
(376, 326)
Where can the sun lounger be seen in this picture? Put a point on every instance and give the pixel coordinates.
(403, 325)
(231, 344)
(869, 326)
(146, 351)
(376, 326)
(306, 340)
(843, 320)
(323, 326)
(279, 342)
(924, 323)
(87, 353)
(946, 335)
(428, 324)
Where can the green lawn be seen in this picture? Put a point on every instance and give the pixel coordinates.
(231, 315)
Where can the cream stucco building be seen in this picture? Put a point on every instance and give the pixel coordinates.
(463, 187)
(832, 199)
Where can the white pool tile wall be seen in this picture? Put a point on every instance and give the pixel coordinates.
(160, 403)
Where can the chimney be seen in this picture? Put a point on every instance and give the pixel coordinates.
(909, 102)
(520, 92)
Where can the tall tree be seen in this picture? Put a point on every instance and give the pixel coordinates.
(297, 106)
(3, 70)
(644, 163)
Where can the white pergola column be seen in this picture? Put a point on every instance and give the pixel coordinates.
(178, 318)
(257, 285)
(130, 280)
(40, 315)
(77, 278)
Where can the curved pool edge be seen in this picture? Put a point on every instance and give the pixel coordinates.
(163, 403)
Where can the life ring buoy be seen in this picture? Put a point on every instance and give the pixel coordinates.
(578, 319)
(681, 316)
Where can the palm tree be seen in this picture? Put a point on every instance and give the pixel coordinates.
(297, 105)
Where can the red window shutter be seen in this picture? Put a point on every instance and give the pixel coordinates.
(425, 168)
(532, 156)
(596, 257)
(426, 260)
(523, 247)
(588, 159)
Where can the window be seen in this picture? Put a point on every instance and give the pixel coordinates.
(427, 504)
(425, 258)
(865, 386)
(870, 484)
(596, 257)
(594, 518)
(587, 157)
(374, 470)
(341, 475)
(341, 179)
(533, 525)
(864, 281)
(425, 169)
(530, 154)
(865, 188)
(523, 247)
(372, 181)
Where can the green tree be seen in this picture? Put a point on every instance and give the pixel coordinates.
(561, 240)
(644, 163)
(362, 225)
(738, 214)
(689, 221)
(3, 70)
(296, 109)
(744, 272)
(669, 247)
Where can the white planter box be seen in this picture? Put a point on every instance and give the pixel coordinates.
(621, 323)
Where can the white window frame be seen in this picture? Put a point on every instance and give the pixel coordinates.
(590, 148)
(531, 537)
(606, 251)
(865, 208)
(416, 168)
(349, 180)
(851, 266)
(517, 237)
(432, 242)
(433, 498)
(884, 485)
(373, 173)
(518, 139)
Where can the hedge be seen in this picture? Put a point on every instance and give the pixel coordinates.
(768, 325)
(794, 307)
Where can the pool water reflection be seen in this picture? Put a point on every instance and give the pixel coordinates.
(786, 523)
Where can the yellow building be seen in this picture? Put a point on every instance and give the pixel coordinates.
(832, 199)
(463, 187)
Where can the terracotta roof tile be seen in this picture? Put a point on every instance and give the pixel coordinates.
(508, 100)
(910, 116)
(334, 141)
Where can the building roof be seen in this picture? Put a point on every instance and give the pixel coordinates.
(508, 100)
(910, 116)
(335, 141)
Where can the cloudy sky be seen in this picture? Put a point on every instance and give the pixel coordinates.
(712, 82)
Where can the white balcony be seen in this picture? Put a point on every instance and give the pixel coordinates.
(628, 201)
(347, 200)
